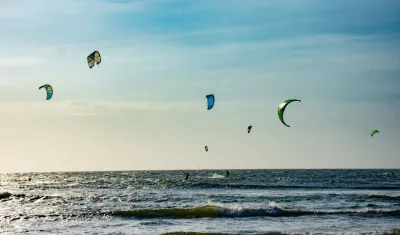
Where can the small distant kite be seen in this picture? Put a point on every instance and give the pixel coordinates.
(93, 58)
(249, 129)
(49, 91)
(210, 101)
(374, 132)
(282, 107)
(206, 148)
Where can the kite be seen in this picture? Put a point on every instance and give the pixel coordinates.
(49, 91)
(282, 107)
(93, 58)
(210, 101)
(374, 132)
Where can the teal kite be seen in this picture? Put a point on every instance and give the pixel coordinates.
(49, 91)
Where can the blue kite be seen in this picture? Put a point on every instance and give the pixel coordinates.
(49, 91)
(210, 101)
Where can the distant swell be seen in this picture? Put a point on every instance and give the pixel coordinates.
(388, 197)
(387, 232)
(262, 186)
(10, 196)
(216, 211)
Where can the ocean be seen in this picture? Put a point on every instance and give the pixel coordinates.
(163, 202)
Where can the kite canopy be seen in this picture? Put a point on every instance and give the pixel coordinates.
(249, 129)
(49, 91)
(282, 107)
(374, 132)
(206, 148)
(93, 58)
(210, 101)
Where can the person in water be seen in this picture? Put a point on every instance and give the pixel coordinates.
(227, 174)
(187, 175)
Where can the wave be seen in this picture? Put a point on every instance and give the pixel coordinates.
(211, 211)
(5, 195)
(205, 185)
(383, 196)
(385, 232)
(10, 196)
(216, 176)
(207, 233)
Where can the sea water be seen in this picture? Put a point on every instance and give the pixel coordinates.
(163, 202)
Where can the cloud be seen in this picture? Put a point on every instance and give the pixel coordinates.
(64, 109)
(303, 48)
(46, 22)
(53, 108)
(20, 61)
(154, 66)
(246, 70)
(25, 9)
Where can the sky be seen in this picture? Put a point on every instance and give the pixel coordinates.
(144, 107)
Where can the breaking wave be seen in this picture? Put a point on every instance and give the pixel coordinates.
(212, 211)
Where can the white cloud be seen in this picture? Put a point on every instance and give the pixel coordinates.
(20, 61)
(51, 109)
(44, 22)
(133, 70)
(26, 9)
